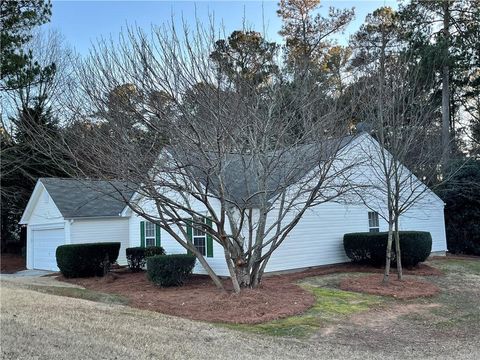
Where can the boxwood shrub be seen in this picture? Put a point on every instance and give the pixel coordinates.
(370, 248)
(170, 270)
(84, 260)
(137, 256)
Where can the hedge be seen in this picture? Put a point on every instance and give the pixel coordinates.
(370, 248)
(137, 256)
(170, 270)
(84, 260)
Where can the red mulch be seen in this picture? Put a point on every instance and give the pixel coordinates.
(199, 299)
(408, 288)
(449, 256)
(11, 263)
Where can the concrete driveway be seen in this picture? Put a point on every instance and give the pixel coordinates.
(34, 277)
(27, 273)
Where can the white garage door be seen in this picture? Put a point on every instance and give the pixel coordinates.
(45, 244)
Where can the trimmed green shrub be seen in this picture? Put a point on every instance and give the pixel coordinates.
(84, 260)
(154, 250)
(170, 270)
(370, 248)
(137, 256)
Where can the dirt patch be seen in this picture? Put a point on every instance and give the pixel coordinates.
(199, 299)
(11, 263)
(406, 289)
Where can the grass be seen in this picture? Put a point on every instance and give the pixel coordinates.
(459, 299)
(330, 305)
(457, 265)
(84, 294)
(458, 303)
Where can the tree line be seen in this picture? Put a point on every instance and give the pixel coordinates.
(409, 76)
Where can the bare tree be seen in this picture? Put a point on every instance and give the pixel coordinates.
(241, 163)
(404, 151)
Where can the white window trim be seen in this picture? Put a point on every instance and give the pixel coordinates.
(200, 237)
(147, 238)
(372, 218)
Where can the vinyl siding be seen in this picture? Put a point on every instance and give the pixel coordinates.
(171, 246)
(45, 211)
(102, 230)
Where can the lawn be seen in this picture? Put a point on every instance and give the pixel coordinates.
(456, 309)
(339, 324)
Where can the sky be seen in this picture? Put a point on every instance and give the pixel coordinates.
(84, 22)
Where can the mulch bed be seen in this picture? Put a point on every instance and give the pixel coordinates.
(449, 256)
(199, 299)
(11, 263)
(408, 288)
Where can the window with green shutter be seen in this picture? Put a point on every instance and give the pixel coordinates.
(200, 239)
(142, 233)
(150, 234)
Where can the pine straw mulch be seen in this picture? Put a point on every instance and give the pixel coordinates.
(408, 288)
(278, 296)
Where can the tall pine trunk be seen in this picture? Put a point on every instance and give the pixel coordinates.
(446, 143)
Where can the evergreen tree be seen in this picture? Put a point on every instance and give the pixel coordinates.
(308, 34)
(443, 37)
(17, 20)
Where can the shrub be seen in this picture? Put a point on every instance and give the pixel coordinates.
(370, 248)
(83, 260)
(170, 270)
(154, 250)
(137, 256)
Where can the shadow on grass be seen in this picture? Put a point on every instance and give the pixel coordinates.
(84, 294)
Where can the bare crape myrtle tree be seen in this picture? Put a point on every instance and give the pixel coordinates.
(239, 159)
(405, 151)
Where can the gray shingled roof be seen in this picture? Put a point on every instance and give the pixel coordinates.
(95, 198)
(241, 172)
(88, 198)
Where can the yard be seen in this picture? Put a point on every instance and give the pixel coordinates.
(340, 324)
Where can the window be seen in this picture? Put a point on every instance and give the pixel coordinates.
(373, 222)
(200, 240)
(149, 233)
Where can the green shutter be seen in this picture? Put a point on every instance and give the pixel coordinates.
(209, 239)
(189, 233)
(142, 233)
(157, 235)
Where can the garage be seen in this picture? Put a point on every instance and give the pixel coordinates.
(45, 243)
(70, 211)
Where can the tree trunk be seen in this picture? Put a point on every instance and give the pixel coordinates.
(398, 255)
(386, 274)
(446, 86)
(216, 280)
(232, 269)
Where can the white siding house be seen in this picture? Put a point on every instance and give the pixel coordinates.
(57, 214)
(64, 211)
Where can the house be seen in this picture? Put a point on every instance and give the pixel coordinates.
(69, 211)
